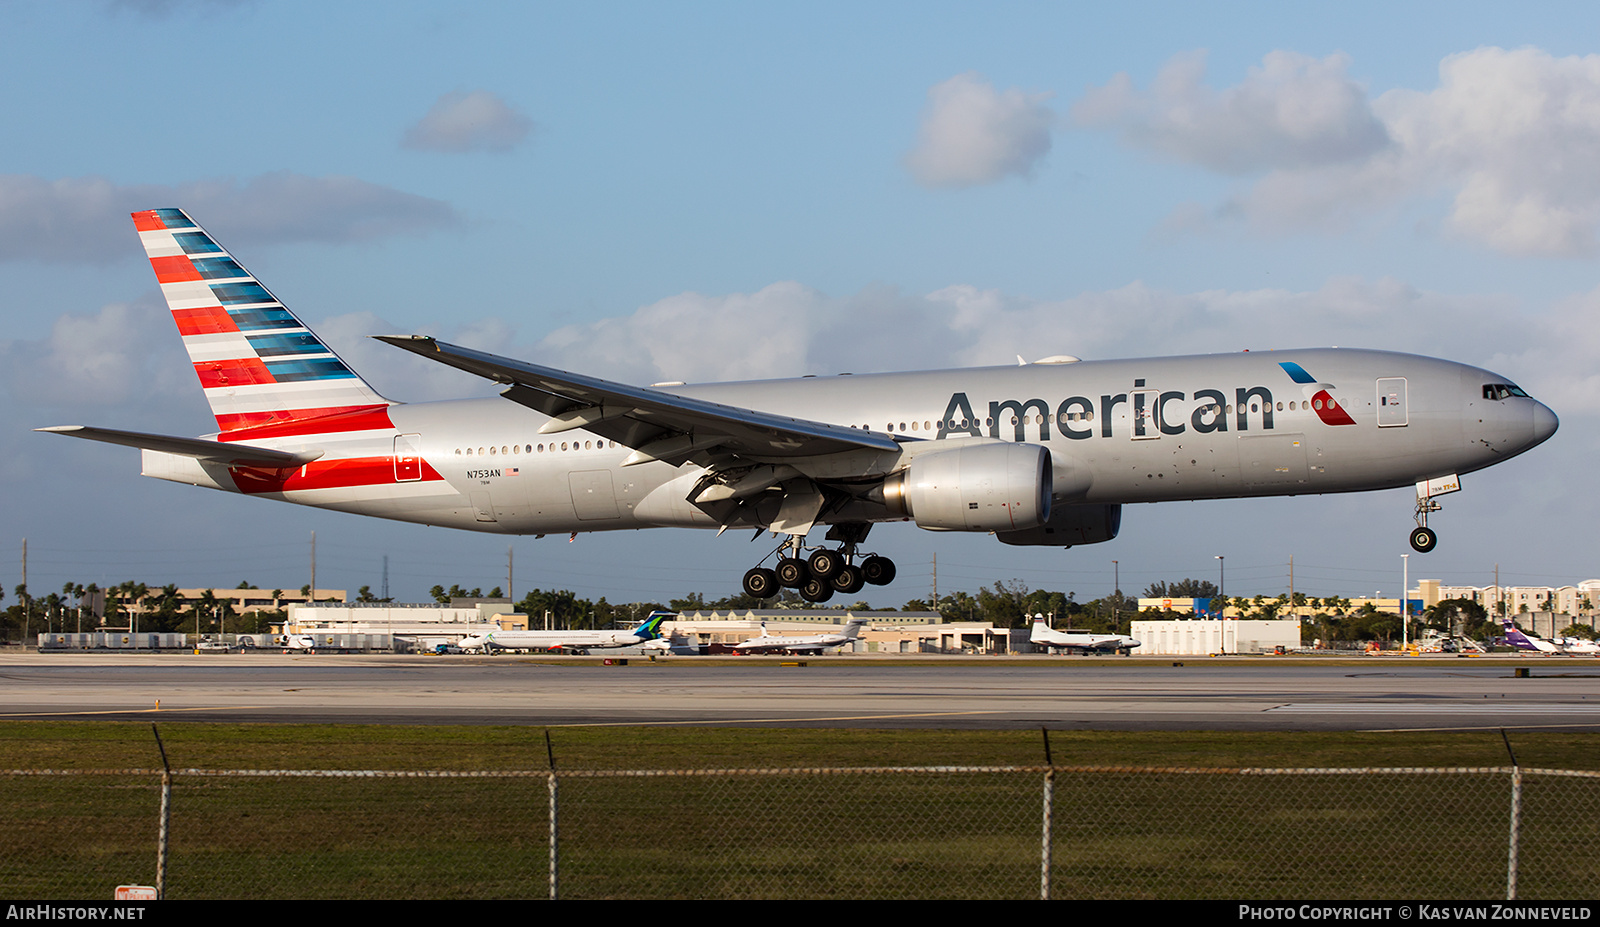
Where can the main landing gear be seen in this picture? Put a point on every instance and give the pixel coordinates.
(825, 572)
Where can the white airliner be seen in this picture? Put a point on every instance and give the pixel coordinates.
(1043, 636)
(814, 643)
(489, 641)
(1037, 454)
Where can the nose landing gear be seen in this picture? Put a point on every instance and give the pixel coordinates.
(1423, 539)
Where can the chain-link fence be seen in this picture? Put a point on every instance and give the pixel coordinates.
(905, 832)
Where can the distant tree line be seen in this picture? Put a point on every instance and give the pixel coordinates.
(1006, 604)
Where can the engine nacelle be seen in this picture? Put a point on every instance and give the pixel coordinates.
(978, 487)
(1069, 525)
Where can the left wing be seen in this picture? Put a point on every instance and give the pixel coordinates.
(233, 455)
(657, 425)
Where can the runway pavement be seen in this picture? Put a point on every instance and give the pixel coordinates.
(1063, 693)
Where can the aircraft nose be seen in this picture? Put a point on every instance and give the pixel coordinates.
(1545, 423)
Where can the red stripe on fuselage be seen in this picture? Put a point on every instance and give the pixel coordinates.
(324, 474)
(174, 269)
(294, 423)
(241, 371)
(208, 320)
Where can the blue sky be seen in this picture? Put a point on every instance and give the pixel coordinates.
(716, 191)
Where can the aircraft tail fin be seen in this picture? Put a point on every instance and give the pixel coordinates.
(1516, 638)
(1039, 627)
(852, 630)
(263, 371)
(651, 629)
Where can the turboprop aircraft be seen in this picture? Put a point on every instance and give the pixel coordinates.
(1045, 453)
(489, 641)
(1043, 636)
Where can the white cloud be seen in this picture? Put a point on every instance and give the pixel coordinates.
(123, 356)
(1509, 137)
(86, 218)
(787, 329)
(971, 134)
(1290, 112)
(461, 122)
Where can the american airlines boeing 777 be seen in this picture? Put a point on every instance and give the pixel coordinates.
(1045, 453)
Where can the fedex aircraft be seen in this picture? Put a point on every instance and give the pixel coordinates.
(1516, 638)
(1045, 453)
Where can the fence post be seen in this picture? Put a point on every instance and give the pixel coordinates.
(1516, 826)
(1049, 800)
(166, 818)
(555, 857)
(1516, 818)
(1044, 853)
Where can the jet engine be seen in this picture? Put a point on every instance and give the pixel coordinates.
(979, 487)
(1069, 525)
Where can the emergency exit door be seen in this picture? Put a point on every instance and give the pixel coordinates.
(1392, 402)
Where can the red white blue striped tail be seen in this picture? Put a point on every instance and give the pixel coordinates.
(263, 371)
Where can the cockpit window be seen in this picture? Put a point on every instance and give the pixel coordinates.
(1502, 390)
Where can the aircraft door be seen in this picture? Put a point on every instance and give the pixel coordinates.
(1145, 424)
(593, 495)
(407, 458)
(482, 506)
(1392, 402)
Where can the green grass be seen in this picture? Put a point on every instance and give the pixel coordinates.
(130, 744)
(848, 835)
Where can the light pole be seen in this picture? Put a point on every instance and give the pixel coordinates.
(1116, 592)
(1405, 606)
(1222, 584)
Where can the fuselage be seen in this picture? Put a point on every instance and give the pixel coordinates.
(1117, 431)
(552, 640)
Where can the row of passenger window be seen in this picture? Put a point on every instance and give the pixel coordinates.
(551, 448)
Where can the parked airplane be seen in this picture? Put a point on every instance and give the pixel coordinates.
(1043, 636)
(1523, 641)
(1038, 454)
(814, 643)
(489, 641)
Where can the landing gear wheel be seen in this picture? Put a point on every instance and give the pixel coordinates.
(761, 583)
(825, 563)
(878, 571)
(1423, 540)
(793, 572)
(849, 580)
(816, 590)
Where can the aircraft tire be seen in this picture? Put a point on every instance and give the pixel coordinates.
(1423, 540)
(761, 583)
(878, 571)
(825, 564)
(849, 580)
(816, 590)
(792, 572)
